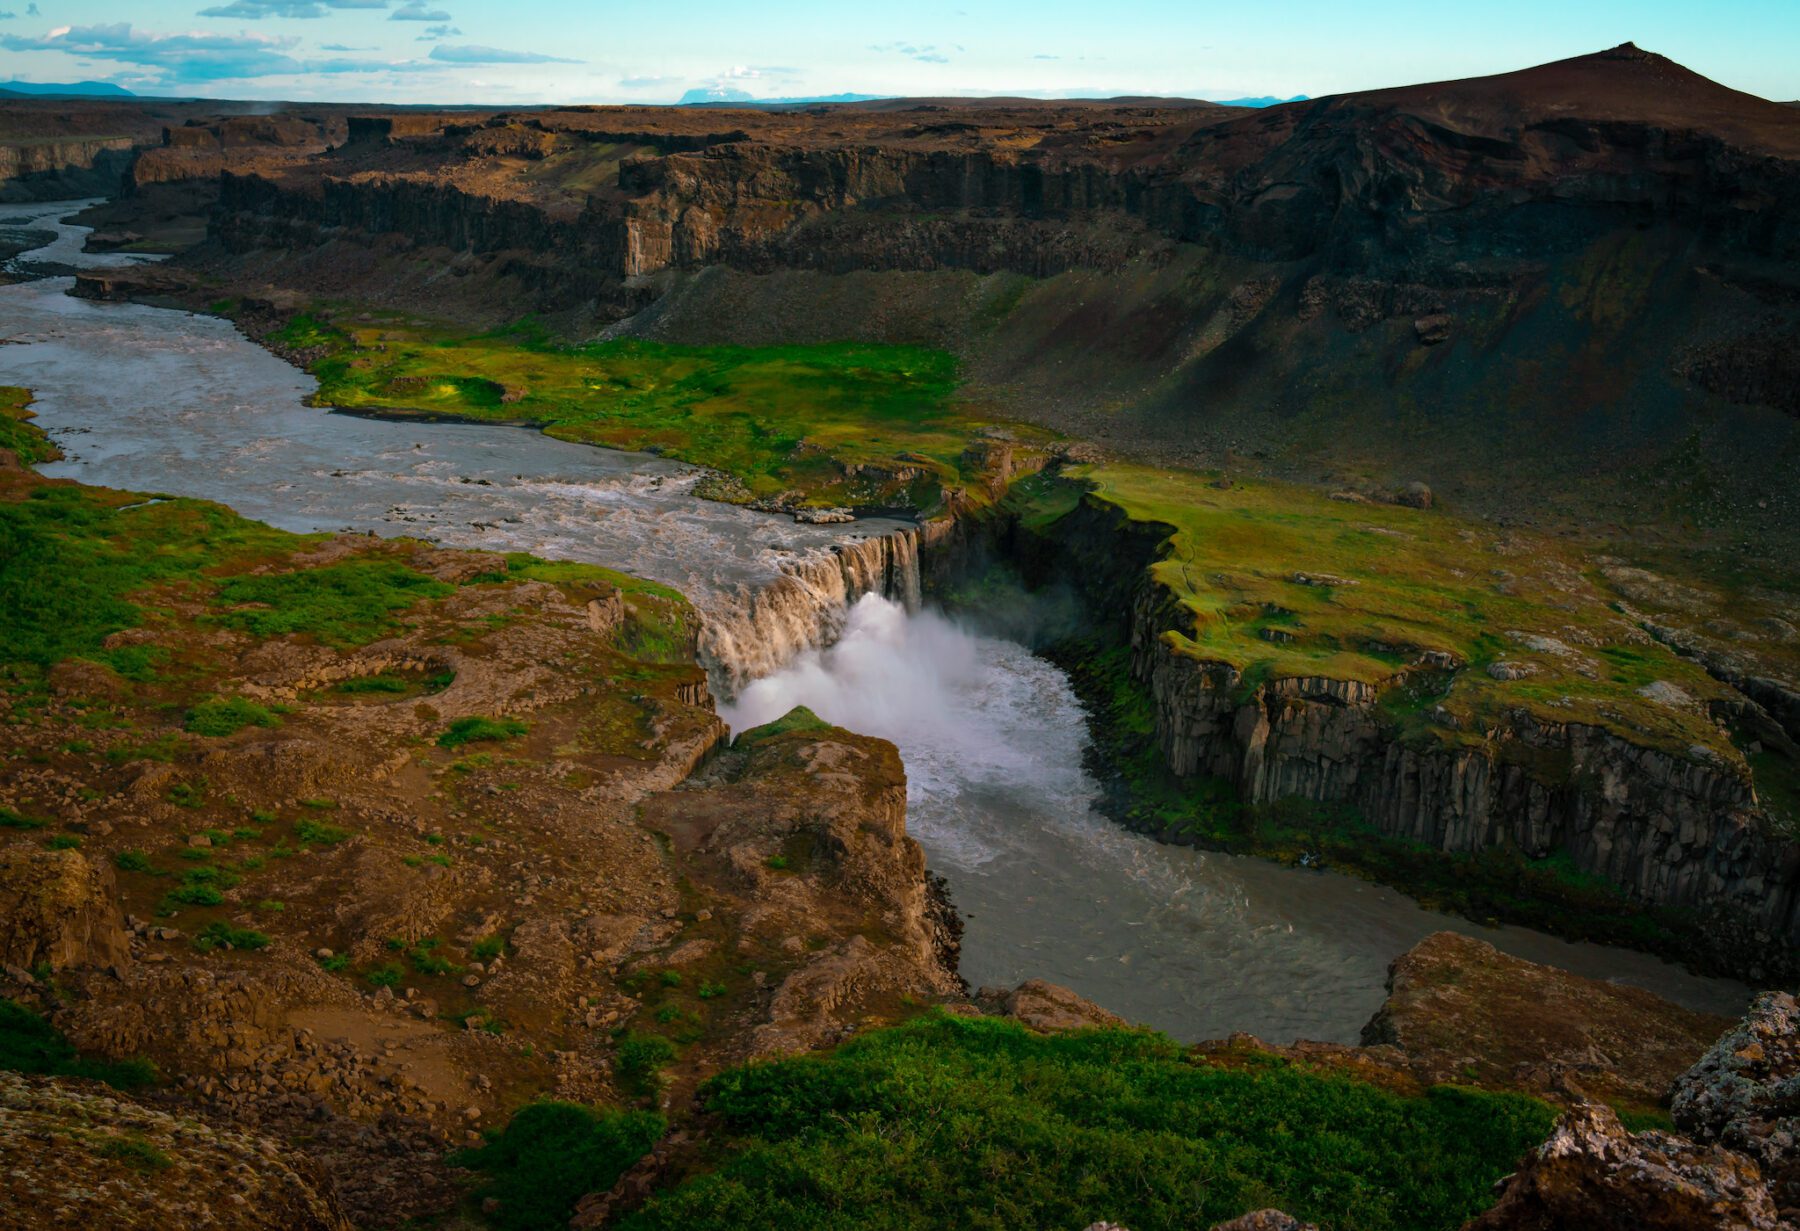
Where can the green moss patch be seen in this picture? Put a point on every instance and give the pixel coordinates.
(17, 434)
(797, 719)
(476, 730)
(221, 716)
(346, 604)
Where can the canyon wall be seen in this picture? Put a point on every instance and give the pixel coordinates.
(63, 169)
(1675, 831)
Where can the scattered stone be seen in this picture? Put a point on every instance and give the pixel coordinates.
(61, 1149)
(1415, 496)
(1664, 693)
(823, 517)
(1433, 329)
(1512, 670)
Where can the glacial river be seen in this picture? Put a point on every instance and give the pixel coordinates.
(1194, 943)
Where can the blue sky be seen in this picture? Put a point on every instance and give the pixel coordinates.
(520, 51)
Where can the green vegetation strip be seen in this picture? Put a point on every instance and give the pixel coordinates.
(17, 434)
(553, 1154)
(979, 1123)
(776, 418)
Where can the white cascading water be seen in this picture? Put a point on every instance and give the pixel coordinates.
(756, 629)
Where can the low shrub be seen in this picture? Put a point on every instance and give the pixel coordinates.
(550, 1155)
(218, 717)
(221, 935)
(477, 730)
(640, 1062)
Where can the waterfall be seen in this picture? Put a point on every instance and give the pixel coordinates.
(751, 633)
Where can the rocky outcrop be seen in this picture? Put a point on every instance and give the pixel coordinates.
(74, 1154)
(1265, 1220)
(60, 911)
(1592, 1175)
(1459, 1010)
(1043, 1005)
(205, 151)
(1744, 1094)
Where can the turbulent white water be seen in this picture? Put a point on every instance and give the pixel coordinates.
(992, 737)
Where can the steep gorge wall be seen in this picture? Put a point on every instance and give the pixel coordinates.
(1671, 831)
(64, 169)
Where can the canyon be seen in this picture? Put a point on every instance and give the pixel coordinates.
(1399, 482)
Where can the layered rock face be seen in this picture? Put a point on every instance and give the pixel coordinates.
(60, 169)
(205, 151)
(1491, 171)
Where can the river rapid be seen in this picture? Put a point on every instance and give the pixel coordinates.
(1195, 943)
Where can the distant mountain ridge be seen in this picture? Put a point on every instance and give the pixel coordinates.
(1261, 100)
(716, 96)
(74, 89)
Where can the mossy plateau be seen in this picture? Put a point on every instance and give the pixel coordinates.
(1279, 581)
(840, 423)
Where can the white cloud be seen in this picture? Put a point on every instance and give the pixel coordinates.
(927, 53)
(492, 55)
(177, 57)
(415, 11)
(257, 10)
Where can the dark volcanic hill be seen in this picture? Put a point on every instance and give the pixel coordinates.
(1572, 290)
